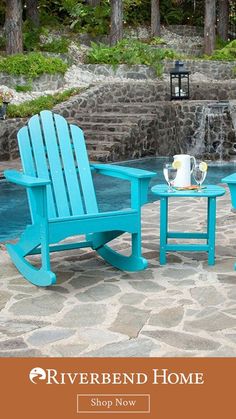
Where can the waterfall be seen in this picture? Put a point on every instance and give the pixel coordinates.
(198, 138)
(232, 109)
(213, 127)
(216, 127)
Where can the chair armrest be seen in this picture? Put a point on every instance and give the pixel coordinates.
(25, 180)
(121, 172)
(139, 180)
(229, 179)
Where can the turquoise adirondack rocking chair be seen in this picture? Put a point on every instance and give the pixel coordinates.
(62, 200)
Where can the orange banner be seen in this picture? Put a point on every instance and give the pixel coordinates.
(142, 388)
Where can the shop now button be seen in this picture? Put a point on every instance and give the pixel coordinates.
(113, 403)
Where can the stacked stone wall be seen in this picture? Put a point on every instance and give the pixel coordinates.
(39, 84)
(217, 70)
(169, 128)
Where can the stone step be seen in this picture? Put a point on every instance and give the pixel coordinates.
(106, 136)
(101, 156)
(112, 117)
(134, 108)
(108, 127)
(101, 145)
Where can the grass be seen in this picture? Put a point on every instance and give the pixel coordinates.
(23, 88)
(33, 107)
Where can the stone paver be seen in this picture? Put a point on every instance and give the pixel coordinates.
(130, 320)
(84, 315)
(185, 308)
(69, 350)
(168, 317)
(43, 337)
(4, 297)
(207, 295)
(16, 327)
(27, 353)
(217, 321)
(132, 348)
(14, 343)
(39, 306)
(182, 340)
(98, 293)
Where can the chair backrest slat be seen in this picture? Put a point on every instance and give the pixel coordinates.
(28, 164)
(86, 180)
(68, 161)
(55, 164)
(53, 149)
(38, 149)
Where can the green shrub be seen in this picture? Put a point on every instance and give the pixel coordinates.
(156, 41)
(220, 43)
(57, 46)
(23, 88)
(128, 52)
(85, 18)
(32, 65)
(228, 53)
(31, 39)
(32, 107)
(137, 12)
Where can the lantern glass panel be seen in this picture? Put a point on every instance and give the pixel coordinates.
(179, 86)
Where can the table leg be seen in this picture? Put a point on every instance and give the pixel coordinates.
(211, 225)
(163, 229)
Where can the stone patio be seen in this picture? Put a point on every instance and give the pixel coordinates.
(185, 308)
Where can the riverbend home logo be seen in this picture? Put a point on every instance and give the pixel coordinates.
(156, 376)
(37, 374)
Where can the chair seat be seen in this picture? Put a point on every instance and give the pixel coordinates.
(98, 215)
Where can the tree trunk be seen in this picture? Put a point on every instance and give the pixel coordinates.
(155, 18)
(13, 27)
(32, 12)
(116, 33)
(209, 26)
(223, 19)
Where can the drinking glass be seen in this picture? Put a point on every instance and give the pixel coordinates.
(199, 175)
(169, 173)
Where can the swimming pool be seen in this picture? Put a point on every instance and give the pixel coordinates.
(112, 194)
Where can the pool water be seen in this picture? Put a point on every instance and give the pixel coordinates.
(112, 193)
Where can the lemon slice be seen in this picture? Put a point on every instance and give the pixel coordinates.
(176, 164)
(203, 166)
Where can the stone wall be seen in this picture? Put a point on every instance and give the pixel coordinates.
(8, 137)
(218, 70)
(186, 30)
(144, 32)
(145, 92)
(44, 82)
(175, 126)
(163, 127)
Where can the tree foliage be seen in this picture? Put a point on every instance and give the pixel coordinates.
(94, 17)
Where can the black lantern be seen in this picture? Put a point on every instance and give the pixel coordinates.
(179, 82)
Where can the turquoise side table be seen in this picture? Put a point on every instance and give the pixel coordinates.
(211, 192)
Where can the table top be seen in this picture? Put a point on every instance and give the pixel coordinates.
(207, 191)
